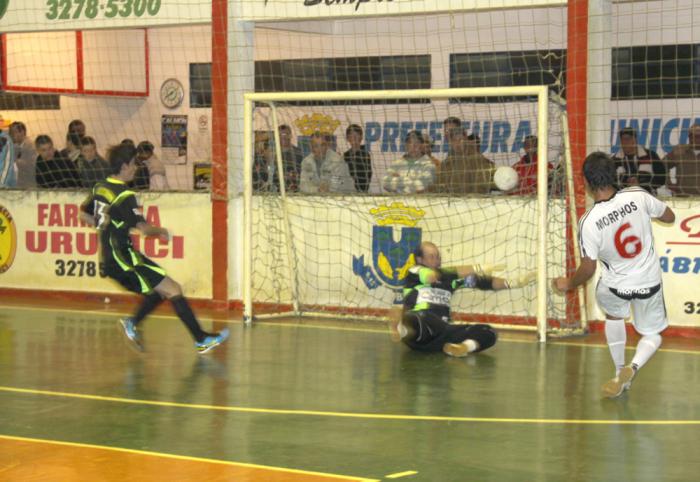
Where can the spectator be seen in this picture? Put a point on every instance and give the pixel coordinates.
(291, 158)
(358, 158)
(452, 132)
(637, 166)
(150, 167)
(25, 156)
(413, 173)
(324, 170)
(77, 126)
(466, 170)
(683, 164)
(7, 161)
(91, 166)
(428, 151)
(52, 170)
(128, 142)
(72, 149)
(526, 168)
(263, 162)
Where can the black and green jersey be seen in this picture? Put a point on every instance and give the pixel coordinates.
(115, 210)
(419, 295)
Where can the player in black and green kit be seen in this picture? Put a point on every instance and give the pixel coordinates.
(425, 320)
(112, 208)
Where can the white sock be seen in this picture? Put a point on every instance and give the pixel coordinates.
(616, 336)
(472, 345)
(646, 348)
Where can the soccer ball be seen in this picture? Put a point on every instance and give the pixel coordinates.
(505, 178)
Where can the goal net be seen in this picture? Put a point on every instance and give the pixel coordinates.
(331, 227)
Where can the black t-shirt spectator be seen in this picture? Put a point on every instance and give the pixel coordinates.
(360, 164)
(56, 172)
(142, 178)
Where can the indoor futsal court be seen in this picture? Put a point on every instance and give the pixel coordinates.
(272, 192)
(319, 400)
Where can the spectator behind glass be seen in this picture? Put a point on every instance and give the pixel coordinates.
(466, 170)
(25, 156)
(413, 173)
(154, 168)
(526, 168)
(637, 166)
(72, 149)
(324, 170)
(52, 170)
(291, 159)
(128, 142)
(91, 166)
(683, 164)
(357, 158)
(452, 131)
(428, 150)
(7, 161)
(77, 126)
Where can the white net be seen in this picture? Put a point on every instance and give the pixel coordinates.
(331, 246)
(346, 242)
(106, 86)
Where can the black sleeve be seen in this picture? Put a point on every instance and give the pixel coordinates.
(127, 211)
(88, 206)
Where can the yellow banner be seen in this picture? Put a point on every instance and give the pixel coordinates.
(43, 245)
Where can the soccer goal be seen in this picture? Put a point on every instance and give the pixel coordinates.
(344, 252)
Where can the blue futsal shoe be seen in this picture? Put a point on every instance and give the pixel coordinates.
(212, 341)
(132, 334)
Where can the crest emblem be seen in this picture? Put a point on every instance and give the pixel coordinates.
(391, 259)
(8, 239)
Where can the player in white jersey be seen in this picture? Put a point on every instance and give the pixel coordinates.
(617, 232)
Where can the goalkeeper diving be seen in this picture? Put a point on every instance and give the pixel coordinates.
(424, 323)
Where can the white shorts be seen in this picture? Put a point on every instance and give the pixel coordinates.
(649, 310)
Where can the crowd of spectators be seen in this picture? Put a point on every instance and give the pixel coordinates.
(79, 164)
(464, 170)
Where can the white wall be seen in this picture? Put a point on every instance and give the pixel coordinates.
(111, 119)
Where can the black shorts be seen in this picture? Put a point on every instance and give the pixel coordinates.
(428, 332)
(135, 272)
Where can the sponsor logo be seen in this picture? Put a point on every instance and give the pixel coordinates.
(357, 3)
(8, 239)
(391, 260)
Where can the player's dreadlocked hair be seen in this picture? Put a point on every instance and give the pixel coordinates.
(119, 155)
(599, 171)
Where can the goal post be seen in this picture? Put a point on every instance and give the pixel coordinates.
(297, 247)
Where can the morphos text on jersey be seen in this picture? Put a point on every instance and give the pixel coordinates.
(614, 216)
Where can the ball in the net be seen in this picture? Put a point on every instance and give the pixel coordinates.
(505, 178)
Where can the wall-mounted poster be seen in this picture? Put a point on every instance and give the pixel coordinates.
(202, 176)
(174, 138)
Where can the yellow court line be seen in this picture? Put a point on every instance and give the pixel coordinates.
(184, 457)
(400, 474)
(357, 415)
(335, 328)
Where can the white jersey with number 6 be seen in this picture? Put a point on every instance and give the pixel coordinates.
(618, 233)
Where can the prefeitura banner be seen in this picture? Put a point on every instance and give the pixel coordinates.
(44, 246)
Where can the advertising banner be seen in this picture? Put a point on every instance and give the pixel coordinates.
(44, 246)
(46, 15)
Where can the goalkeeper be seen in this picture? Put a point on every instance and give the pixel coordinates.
(425, 325)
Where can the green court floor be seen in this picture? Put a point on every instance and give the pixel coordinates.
(343, 400)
